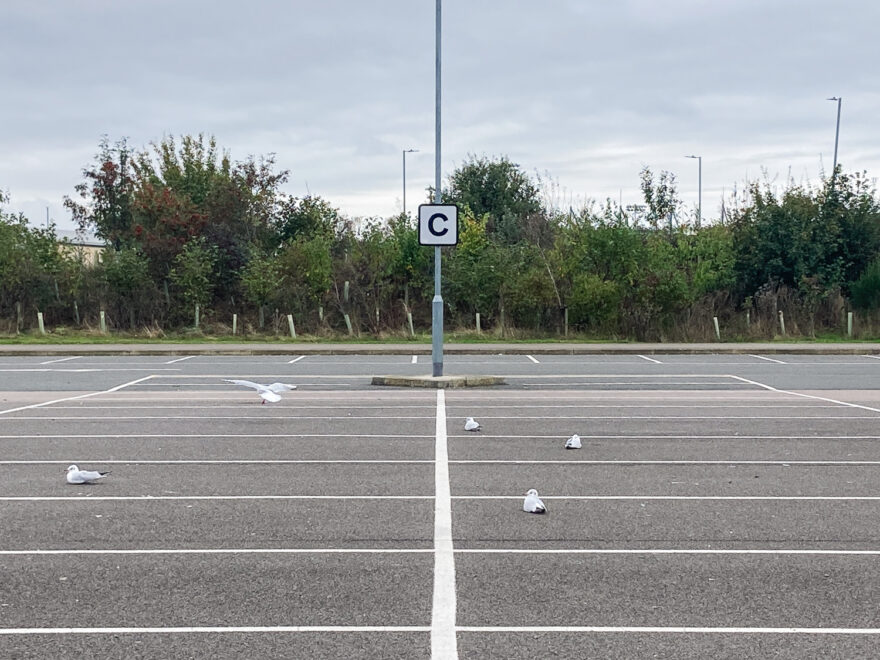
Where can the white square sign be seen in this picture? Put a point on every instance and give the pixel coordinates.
(438, 224)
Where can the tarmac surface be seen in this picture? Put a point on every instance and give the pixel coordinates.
(723, 505)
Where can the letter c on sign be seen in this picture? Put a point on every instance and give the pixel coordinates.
(442, 218)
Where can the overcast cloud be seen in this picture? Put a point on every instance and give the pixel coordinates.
(583, 92)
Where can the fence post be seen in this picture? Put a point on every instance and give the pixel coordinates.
(76, 312)
(197, 315)
(565, 315)
(103, 323)
(717, 329)
(234, 323)
(19, 317)
(781, 322)
(412, 333)
(479, 329)
(40, 323)
(290, 323)
(849, 319)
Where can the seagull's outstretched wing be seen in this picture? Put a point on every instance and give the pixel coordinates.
(279, 387)
(246, 383)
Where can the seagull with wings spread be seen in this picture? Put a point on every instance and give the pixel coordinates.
(268, 393)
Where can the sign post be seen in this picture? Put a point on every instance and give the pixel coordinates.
(438, 225)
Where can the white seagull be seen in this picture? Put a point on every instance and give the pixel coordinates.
(533, 503)
(77, 476)
(471, 425)
(267, 392)
(574, 442)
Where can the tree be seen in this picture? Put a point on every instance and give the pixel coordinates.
(661, 198)
(191, 273)
(261, 280)
(106, 194)
(501, 191)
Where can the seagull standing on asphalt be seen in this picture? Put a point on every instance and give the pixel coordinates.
(574, 442)
(471, 425)
(77, 476)
(533, 503)
(267, 392)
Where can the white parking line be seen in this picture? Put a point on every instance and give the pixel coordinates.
(761, 357)
(415, 359)
(73, 398)
(296, 359)
(533, 359)
(806, 396)
(76, 357)
(443, 640)
(873, 357)
(645, 357)
(419, 629)
(670, 629)
(222, 551)
(188, 357)
(594, 498)
(214, 630)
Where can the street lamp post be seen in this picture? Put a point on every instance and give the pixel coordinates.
(836, 134)
(405, 152)
(699, 188)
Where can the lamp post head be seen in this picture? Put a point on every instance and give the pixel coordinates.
(693, 156)
(409, 151)
(835, 98)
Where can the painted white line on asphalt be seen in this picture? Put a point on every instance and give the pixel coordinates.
(719, 498)
(473, 551)
(761, 357)
(533, 359)
(213, 630)
(670, 629)
(131, 436)
(296, 359)
(443, 641)
(79, 396)
(188, 357)
(415, 359)
(84, 370)
(645, 357)
(642, 498)
(642, 462)
(309, 461)
(222, 462)
(156, 498)
(660, 551)
(223, 551)
(75, 357)
(419, 629)
(212, 418)
(873, 357)
(807, 396)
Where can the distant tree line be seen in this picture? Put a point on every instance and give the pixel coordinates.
(186, 226)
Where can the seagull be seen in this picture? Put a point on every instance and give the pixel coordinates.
(77, 476)
(471, 425)
(574, 442)
(533, 503)
(267, 392)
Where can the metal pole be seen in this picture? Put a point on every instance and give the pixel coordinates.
(437, 303)
(839, 99)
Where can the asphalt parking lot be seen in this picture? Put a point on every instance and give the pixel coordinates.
(722, 506)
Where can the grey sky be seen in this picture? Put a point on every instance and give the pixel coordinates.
(583, 92)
